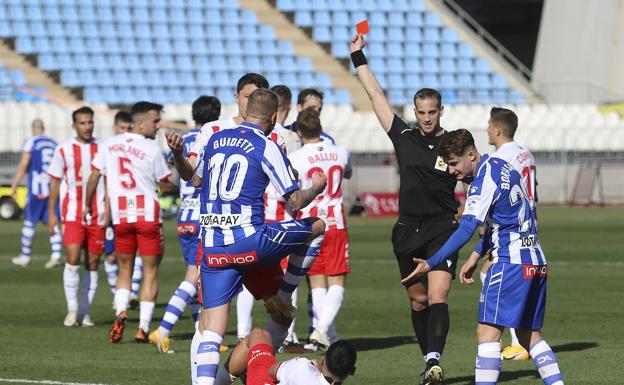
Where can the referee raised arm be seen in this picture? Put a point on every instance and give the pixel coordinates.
(426, 209)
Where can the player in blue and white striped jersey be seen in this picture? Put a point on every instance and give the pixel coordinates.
(36, 156)
(204, 109)
(238, 165)
(514, 293)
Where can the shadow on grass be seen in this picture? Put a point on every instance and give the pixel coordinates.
(504, 376)
(376, 343)
(574, 347)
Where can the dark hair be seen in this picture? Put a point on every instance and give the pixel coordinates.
(144, 107)
(306, 92)
(426, 93)
(82, 110)
(340, 359)
(123, 116)
(206, 109)
(505, 119)
(309, 123)
(252, 78)
(456, 142)
(284, 95)
(262, 104)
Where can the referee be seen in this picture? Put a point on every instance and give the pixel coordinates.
(426, 209)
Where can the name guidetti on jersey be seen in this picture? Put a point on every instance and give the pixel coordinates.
(242, 143)
(223, 221)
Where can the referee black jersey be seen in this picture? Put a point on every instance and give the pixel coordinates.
(427, 189)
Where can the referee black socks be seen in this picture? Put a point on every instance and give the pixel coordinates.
(438, 327)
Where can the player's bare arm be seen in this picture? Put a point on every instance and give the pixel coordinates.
(186, 167)
(299, 199)
(22, 167)
(94, 179)
(53, 221)
(371, 85)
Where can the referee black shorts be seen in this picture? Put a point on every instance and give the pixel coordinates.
(422, 239)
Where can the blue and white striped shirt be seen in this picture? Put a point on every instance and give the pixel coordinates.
(41, 149)
(498, 199)
(189, 195)
(236, 167)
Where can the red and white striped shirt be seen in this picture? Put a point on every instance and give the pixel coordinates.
(333, 161)
(133, 166)
(197, 148)
(71, 163)
(274, 204)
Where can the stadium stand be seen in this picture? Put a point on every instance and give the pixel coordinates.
(122, 51)
(408, 46)
(11, 82)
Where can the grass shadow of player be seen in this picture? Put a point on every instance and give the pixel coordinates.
(574, 347)
(503, 377)
(377, 343)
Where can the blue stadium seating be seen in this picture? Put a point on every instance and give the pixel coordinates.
(404, 30)
(120, 50)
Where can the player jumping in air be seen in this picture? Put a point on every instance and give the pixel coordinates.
(514, 293)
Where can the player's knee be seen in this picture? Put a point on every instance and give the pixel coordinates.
(419, 302)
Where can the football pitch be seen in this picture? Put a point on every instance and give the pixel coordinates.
(584, 315)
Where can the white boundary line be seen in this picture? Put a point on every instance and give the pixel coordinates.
(48, 382)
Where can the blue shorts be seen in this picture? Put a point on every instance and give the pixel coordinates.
(109, 240)
(222, 268)
(514, 296)
(36, 210)
(189, 244)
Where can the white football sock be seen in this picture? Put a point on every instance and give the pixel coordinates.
(71, 280)
(331, 306)
(291, 329)
(244, 308)
(122, 297)
(193, 353)
(208, 357)
(514, 338)
(145, 314)
(112, 271)
(318, 298)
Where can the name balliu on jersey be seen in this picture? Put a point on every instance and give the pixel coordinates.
(333, 161)
(41, 149)
(236, 168)
(133, 166)
(497, 199)
(523, 161)
(72, 164)
(189, 195)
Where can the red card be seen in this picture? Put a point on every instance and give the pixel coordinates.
(362, 27)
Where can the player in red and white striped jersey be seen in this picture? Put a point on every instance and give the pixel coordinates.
(69, 170)
(134, 167)
(327, 275)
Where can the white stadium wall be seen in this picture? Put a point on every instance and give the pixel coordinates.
(580, 51)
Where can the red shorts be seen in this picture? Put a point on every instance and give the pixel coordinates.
(146, 237)
(259, 360)
(333, 259)
(264, 281)
(89, 237)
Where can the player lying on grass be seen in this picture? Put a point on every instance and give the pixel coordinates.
(254, 356)
(514, 293)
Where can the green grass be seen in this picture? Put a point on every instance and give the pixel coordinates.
(583, 319)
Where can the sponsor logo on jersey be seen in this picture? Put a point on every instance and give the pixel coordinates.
(531, 271)
(223, 221)
(187, 228)
(189, 203)
(220, 260)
